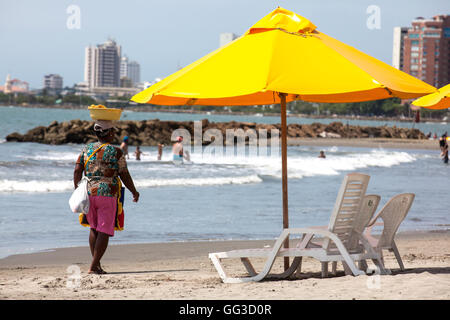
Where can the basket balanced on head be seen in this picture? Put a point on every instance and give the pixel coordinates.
(99, 112)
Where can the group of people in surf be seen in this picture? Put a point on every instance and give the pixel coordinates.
(178, 152)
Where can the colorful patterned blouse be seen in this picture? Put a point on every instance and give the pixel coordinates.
(103, 168)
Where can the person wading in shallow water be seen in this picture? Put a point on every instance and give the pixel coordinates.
(124, 147)
(104, 169)
(177, 150)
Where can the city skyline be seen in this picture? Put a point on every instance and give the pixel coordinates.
(165, 36)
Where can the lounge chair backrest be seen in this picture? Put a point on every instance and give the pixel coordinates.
(368, 208)
(346, 209)
(367, 211)
(393, 213)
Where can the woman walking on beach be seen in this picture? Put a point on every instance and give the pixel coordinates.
(103, 164)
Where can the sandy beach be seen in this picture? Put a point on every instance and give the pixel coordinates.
(182, 270)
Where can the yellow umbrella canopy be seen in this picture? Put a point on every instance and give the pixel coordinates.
(283, 52)
(437, 100)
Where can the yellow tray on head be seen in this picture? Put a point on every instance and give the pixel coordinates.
(99, 112)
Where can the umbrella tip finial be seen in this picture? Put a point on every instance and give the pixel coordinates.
(284, 19)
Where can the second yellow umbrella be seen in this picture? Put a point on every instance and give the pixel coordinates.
(437, 100)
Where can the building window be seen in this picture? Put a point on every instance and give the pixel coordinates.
(447, 32)
(414, 54)
(414, 67)
(414, 48)
(413, 35)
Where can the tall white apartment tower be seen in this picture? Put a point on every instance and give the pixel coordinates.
(397, 48)
(89, 66)
(102, 65)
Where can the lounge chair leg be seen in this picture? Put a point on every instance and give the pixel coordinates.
(216, 261)
(286, 274)
(362, 264)
(348, 271)
(299, 268)
(397, 256)
(324, 269)
(380, 263)
(334, 268)
(251, 271)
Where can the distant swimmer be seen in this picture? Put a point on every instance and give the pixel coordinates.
(177, 150)
(442, 141)
(322, 155)
(124, 147)
(138, 153)
(444, 153)
(160, 150)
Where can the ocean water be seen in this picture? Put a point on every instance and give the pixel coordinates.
(216, 196)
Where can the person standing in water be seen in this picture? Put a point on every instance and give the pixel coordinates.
(444, 153)
(138, 153)
(124, 147)
(177, 150)
(104, 165)
(322, 154)
(160, 150)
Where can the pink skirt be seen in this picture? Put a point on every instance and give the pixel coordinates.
(102, 214)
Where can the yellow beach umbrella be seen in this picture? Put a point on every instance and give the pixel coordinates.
(436, 100)
(283, 58)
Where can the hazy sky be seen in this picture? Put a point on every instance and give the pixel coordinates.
(167, 34)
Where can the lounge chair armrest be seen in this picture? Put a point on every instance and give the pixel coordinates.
(311, 231)
(316, 231)
(319, 227)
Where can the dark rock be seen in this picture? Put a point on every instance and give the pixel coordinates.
(14, 137)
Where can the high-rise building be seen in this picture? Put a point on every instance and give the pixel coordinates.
(124, 67)
(53, 82)
(102, 65)
(426, 50)
(134, 72)
(397, 50)
(227, 37)
(131, 70)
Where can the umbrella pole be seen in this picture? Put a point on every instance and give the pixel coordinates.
(284, 170)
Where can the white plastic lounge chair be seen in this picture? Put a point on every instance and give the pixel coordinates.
(367, 211)
(337, 239)
(392, 214)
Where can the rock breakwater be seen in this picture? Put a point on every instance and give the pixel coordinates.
(152, 132)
